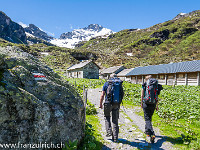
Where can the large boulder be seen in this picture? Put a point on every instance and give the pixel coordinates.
(36, 111)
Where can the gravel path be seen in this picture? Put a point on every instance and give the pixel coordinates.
(131, 129)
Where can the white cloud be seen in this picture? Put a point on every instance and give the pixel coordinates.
(71, 27)
(22, 24)
(58, 28)
(51, 34)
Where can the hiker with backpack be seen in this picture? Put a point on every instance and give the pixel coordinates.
(149, 102)
(113, 92)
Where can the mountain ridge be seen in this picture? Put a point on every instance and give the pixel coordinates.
(70, 39)
(174, 40)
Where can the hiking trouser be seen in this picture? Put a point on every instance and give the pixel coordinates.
(148, 113)
(108, 108)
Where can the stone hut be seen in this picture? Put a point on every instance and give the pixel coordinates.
(86, 69)
(182, 73)
(105, 74)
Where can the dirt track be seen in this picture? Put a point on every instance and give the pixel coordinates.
(131, 129)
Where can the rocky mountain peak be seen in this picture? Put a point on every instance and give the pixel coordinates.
(37, 32)
(10, 30)
(70, 39)
(94, 27)
(4, 19)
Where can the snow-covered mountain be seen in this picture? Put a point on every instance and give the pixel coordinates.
(70, 39)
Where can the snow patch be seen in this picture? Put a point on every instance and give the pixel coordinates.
(22, 24)
(29, 35)
(182, 14)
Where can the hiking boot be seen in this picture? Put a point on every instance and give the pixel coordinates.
(147, 133)
(114, 139)
(152, 138)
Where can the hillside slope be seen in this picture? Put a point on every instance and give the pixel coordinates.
(172, 41)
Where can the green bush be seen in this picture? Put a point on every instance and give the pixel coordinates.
(90, 109)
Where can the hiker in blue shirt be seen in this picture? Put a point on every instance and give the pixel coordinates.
(109, 107)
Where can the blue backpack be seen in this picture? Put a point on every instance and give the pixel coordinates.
(115, 91)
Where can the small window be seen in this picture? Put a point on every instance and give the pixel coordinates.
(181, 75)
(162, 76)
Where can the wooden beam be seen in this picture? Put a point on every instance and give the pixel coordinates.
(186, 79)
(175, 77)
(142, 79)
(136, 80)
(165, 79)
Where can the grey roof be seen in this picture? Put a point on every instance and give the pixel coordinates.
(188, 66)
(124, 72)
(111, 70)
(80, 65)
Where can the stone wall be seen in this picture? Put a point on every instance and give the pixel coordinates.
(91, 71)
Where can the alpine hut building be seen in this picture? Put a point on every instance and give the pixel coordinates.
(181, 73)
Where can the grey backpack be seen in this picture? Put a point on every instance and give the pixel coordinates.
(151, 91)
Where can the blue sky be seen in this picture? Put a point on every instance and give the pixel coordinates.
(60, 16)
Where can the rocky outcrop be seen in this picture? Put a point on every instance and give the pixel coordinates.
(10, 30)
(163, 35)
(181, 15)
(36, 111)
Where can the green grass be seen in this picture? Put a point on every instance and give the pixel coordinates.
(93, 139)
(181, 128)
(79, 83)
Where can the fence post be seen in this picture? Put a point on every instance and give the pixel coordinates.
(85, 101)
(86, 96)
(83, 91)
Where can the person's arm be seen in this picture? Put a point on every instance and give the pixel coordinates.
(142, 97)
(122, 93)
(101, 99)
